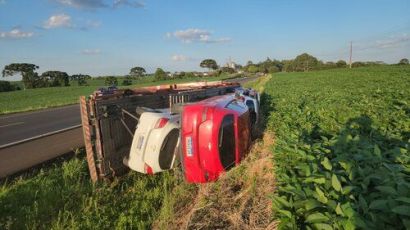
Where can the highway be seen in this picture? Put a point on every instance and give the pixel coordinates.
(30, 138)
(21, 126)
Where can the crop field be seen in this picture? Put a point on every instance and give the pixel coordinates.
(32, 99)
(342, 148)
(339, 140)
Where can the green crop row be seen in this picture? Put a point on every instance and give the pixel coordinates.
(342, 153)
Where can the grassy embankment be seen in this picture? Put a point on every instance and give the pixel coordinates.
(33, 99)
(340, 160)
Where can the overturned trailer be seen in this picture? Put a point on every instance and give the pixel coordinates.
(108, 119)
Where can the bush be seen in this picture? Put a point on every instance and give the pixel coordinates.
(358, 64)
(341, 64)
(404, 61)
(160, 75)
(273, 69)
(253, 69)
(6, 86)
(227, 70)
(111, 81)
(127, 81)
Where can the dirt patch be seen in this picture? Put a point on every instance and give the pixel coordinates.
(240, 199)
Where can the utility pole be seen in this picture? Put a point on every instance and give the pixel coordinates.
(350, 60)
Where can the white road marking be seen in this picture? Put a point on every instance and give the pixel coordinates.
(40, 136)
(12, 124)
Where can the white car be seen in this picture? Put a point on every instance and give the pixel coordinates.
(154, 143)
(252, 100)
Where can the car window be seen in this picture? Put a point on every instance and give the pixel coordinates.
(166, 154)
(251, 105)
(226, 143)
(235, 105)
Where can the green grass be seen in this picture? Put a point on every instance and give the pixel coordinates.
(33, 99)
(62, 197)
(342, 148)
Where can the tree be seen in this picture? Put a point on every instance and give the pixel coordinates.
(253, 69)
(30, 78)
(111, 81)
(160, 74)
(209, 63)
(80, 78)
(305, 62)
(273, 69)
(358, 64)
(6, 86)
(404, 61)
(328, 65)
(127, 81)
(55, 78)
(341, 64)
(227, 70)
(137, 71)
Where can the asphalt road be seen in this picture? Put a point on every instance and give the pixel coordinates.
(20, 126)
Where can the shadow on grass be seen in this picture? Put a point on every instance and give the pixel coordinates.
(267, 105)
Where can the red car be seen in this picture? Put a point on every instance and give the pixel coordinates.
(215, 135)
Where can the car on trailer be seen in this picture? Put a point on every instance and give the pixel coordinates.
(215, 136)
(252, 99)
(155, 141)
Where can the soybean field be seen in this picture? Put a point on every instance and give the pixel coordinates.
(342, 148)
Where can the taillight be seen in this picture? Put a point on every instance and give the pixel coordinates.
(161, 123)
(148, 169)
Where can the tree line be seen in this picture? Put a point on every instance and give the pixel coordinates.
(303, 62)
(31, 79)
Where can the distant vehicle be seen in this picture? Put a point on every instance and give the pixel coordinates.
(215, 135)
(107, 91)
(154, 142)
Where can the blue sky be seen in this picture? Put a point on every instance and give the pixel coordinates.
(108, 37)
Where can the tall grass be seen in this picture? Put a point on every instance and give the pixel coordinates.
(62, 197)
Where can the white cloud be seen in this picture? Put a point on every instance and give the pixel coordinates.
(180, 58)
(393, 41)
(83, 4)
(196, 35)
(98, 4)
(57, 21)
(16, 33)
(386, 43)
(91, 51)
(129, 3)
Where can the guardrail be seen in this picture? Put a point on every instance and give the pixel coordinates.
(22, 155)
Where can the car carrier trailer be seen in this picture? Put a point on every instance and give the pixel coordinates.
(107, 115)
